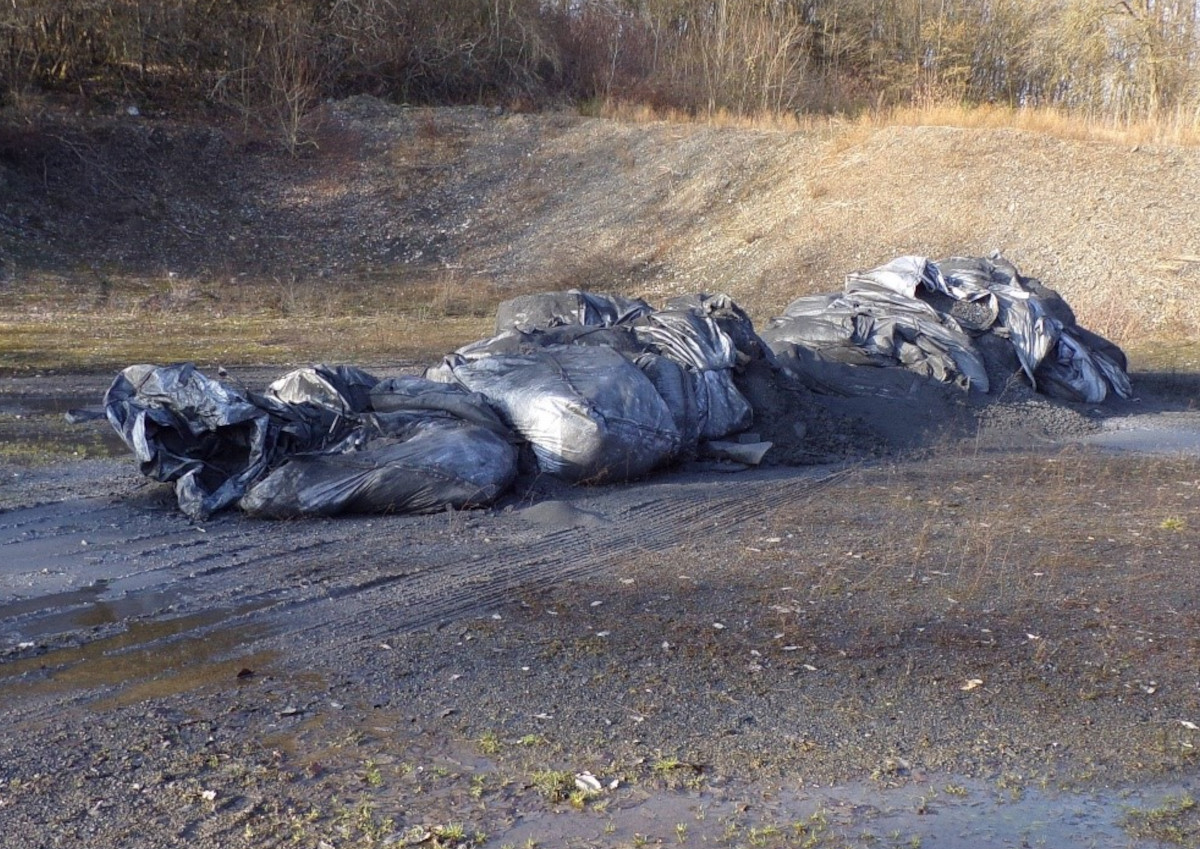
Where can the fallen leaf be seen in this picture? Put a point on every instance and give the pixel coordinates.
(972, 683)
(1190, 726)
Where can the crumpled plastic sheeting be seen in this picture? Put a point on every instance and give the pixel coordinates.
(926, 317)
(421, 467)
(600, 387)
(688, 351)
(610, 400)
(311, 444)
(589, 413)
(209, 438)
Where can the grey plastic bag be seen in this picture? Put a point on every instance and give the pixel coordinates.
(589, 414)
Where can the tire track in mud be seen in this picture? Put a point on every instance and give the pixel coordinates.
(453, 588)
(148, 583)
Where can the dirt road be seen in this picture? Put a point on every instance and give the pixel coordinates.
(991, 643)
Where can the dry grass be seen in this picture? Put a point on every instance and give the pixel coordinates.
(68, 324)
(1179, 128)
(1080, 560)
(978, 533)
(86, 324)
(644, 113)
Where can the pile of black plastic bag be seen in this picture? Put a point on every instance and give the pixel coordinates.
(966, 320)
(595, 388)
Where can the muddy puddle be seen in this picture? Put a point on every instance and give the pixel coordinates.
(950, 812)
(50, 423)
(1166, 433)
(88, 608)
(144, 659)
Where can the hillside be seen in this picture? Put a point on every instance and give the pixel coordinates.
(522, 201)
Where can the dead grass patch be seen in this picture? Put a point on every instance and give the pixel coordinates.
(1180, 127)
(90, 323)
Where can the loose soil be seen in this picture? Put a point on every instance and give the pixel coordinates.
(975, 630)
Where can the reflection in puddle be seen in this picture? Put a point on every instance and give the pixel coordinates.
(950, 812)
(148, 659)
(41, 422)
(70, 598)
(84, 608)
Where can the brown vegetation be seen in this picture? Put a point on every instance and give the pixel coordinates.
(274, 61)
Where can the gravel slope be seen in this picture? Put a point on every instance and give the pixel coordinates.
(556, 200)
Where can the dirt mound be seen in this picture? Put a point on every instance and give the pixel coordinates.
(556, 200)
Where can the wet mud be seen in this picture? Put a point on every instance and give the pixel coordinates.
(759, 658)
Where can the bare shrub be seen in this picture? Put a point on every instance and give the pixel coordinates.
(1128, 61)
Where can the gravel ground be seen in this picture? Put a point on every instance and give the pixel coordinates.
(929, 644)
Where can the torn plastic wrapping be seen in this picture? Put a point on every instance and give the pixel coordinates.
(589, 414)
(601, 388)
(210, 439)
(312, 443)
(927, 317)
(344, 390)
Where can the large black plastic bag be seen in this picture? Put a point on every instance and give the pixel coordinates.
(693, 339)
(730, 318)
(427, 465)
(1059, 357)
(879, 321)
(418, 399)
(940, 320)
(312, 443)
(589, 414)
(676, 385)
(206, 437)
